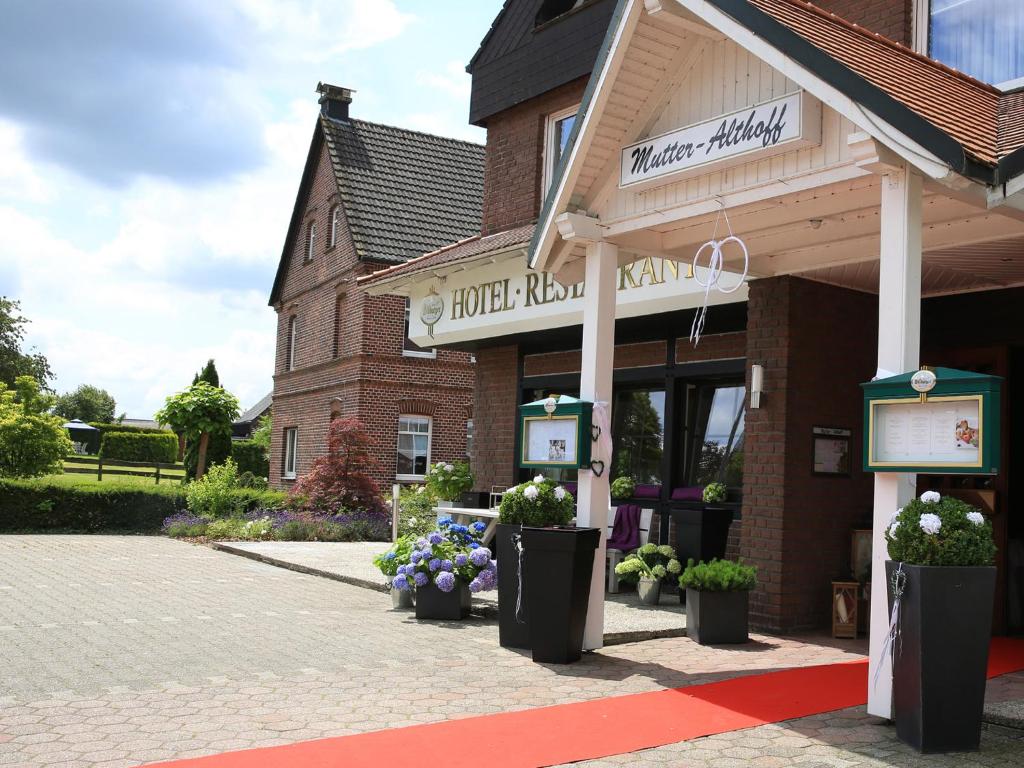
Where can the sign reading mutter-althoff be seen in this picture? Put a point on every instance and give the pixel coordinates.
(751, 133)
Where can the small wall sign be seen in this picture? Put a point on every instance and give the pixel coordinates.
(831, 451)
(765, 129)
(556, 437)
(940, 421)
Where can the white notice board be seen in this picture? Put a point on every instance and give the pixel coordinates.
(938, 432)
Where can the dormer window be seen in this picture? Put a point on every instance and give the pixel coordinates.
(552, 9)
(559, 126)
(310, 240)
(335, 224)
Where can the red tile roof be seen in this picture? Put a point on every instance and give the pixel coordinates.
(462, 250)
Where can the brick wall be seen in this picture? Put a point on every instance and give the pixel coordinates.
(349, 354)
(890, 18)
(513, 162)
(796, 526)
(494, 416)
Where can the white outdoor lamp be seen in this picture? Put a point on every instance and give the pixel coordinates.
(756, 385)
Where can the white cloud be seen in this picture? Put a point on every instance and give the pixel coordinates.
(454, 80)
(18, 178)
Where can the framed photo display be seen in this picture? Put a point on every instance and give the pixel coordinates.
(832, 451)
(555, 433)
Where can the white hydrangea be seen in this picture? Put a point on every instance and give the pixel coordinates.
(895, 517)
(930, 523)
(931, 497)
(559, 493)
(893, 527)
(531, 492)
(421, 489)
(539, 479)
(513, 489)
(976, 517)
(449, 468)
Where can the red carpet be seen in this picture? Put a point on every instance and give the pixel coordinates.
(582, 731)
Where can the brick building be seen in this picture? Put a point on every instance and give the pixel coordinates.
(370, 196)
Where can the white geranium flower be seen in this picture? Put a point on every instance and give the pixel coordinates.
(976, 517)
(539, 479)
(531, 492)
(931, 497)
(559, 493)
(930, 523)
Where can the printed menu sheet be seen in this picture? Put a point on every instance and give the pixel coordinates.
(551, 440)
(934, 432)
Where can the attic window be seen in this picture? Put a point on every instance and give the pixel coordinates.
(310, 240)
(552, 9)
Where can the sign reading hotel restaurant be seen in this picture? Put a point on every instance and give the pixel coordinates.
(767, 129)
(502, 298)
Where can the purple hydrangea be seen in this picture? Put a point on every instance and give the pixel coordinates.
(400, 582)
(426, 550)
(446, 565)
(416, 556)
(434, 564)
(421, 579)
(480, 557)
(435, 538)
(445, 581)
(461, 559)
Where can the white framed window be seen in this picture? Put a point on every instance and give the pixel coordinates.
(335, 223)
(310, 240)
(556, 136)
(409, 348)
(982, 38)
(414, 433)
(293, 340)
(291, 448)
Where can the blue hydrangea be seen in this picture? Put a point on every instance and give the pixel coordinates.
(474, 544)
(461, 559)
(444, 522)
(435, 538)
(434, 564)
(426, 550)
(421, 579)
(389, 556)
(416, 556)
(476, 585)
(445, 581)
(446, 565)
(479, 527)
(480, 557)
(400, 583)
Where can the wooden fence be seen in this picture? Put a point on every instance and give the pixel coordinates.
(113, 467)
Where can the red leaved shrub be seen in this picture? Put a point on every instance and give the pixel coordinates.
(340, 481)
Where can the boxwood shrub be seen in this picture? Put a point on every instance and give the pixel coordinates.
(95, 438)
(250, 457)
(139, 446)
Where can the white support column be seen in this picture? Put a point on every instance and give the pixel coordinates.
(596, 385)
(899, 349)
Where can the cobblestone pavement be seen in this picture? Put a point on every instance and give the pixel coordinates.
(115, 651)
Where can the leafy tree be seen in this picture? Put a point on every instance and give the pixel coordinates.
(14, 361)
(87, 403)
(639, 438)
(201, 411)
(340, 481)
(32, 441)
(262, 434)
(219, 448)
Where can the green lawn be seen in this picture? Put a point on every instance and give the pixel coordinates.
(166, 475)
(109, 481)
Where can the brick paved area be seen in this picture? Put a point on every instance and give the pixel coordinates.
(121, 650)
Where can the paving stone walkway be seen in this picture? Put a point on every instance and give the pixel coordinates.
(117, 651)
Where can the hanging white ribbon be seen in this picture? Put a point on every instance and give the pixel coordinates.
(602, 420)
(714, 273)
(899, 585)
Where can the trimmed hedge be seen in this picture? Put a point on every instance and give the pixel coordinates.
(96, 438)
(250, 457)
(36, 505)
(43, 505)
(137, 446)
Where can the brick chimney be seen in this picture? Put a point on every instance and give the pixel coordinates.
(334, 101)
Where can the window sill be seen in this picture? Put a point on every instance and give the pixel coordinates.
(432, 355)
(410, 478)
(291, 478)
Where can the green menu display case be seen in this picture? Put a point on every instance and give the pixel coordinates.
(555, 433)
(933, 421)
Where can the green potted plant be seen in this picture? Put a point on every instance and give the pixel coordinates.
(389, 562)
(447, 482)
(544, 584)
(623, 487)
(714, 493)
(702, 527)
(717, 600)
(941, 571)
(649, 565)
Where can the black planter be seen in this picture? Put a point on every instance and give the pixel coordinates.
(561, 562)
(432, 603)
(513, 630)
(717, 618)
(941, 656)
(702, 532)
